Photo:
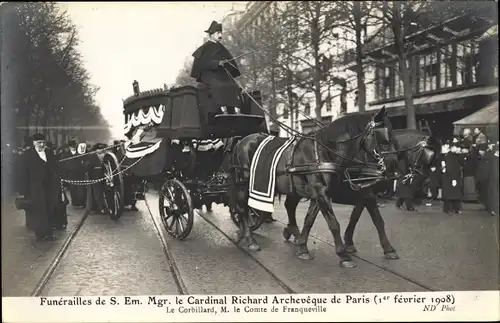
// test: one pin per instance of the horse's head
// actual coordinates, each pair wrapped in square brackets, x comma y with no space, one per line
[379,143]
[423,156]
[417,149]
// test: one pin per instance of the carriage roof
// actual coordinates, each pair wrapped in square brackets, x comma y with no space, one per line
[187,112]
[144,99]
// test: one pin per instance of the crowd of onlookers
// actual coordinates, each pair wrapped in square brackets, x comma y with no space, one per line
[466,170]
[34,175]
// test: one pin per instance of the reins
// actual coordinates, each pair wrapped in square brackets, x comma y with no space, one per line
[291,131]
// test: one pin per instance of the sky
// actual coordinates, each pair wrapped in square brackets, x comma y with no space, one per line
[147,41]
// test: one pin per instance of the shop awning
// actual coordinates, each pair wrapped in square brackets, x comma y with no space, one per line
[487,90]
[486,116]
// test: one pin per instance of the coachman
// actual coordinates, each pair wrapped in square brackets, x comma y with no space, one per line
[215,67]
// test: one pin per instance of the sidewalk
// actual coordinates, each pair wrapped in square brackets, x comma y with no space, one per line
[24,261]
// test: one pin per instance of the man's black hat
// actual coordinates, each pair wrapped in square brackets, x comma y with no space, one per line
[72,143]
[38,136]
[214,27]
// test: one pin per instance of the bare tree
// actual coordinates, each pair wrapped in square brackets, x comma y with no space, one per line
[56,87]
[315,22]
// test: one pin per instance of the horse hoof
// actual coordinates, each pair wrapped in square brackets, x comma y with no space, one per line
[351,249]
[391,255]
[305,256]
[286,234]
[254,247]
[348,264]
[238,237]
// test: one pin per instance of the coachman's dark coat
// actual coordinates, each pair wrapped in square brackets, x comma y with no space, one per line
[206,69]
[453,171]
[40,183]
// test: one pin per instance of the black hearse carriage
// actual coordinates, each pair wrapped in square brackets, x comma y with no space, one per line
[166,121]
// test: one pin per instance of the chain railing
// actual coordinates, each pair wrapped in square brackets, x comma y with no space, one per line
[107,177]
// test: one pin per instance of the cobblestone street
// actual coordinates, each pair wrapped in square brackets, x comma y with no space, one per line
[438,252]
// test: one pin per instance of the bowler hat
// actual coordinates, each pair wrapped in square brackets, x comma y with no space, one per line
[38,136]
[214,27]
[72,143]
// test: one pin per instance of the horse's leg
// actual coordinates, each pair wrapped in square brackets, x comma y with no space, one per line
[353,220]
[334,226]
[378,221]
[247,231]
[312,212]
[291,203]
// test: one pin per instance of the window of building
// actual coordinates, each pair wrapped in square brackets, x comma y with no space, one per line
[329,102]
[389,82]
[398,80]
[307,109]
[422,75]
[431,72]
[445,67]
[285,113]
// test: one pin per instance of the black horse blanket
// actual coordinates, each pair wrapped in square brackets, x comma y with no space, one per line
[263,172]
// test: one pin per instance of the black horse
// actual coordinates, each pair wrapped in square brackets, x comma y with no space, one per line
[322,161]
[416,149]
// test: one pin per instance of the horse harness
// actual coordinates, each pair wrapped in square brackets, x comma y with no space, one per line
[328,167]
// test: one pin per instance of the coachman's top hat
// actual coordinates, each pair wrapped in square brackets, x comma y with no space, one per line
[214,27]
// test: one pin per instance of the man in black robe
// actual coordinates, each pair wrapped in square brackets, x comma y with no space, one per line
[214,66]
[40,184]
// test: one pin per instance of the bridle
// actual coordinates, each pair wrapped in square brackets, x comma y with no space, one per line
[414,168]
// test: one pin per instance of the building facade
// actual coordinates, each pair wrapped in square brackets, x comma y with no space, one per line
[453,71]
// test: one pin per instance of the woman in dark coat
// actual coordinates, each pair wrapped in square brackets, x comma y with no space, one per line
[482,176]
[42,187]
[451,183]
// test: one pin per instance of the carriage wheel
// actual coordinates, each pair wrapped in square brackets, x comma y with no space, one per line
[113,186]
[256,219]
[176,209]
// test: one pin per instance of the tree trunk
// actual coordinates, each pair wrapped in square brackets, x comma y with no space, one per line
[318,73]
[272,104]
[289,93]
[397,24]
[360,71]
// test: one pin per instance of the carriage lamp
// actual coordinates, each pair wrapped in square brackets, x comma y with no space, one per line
[135,86]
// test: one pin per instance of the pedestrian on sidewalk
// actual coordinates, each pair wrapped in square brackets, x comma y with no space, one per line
[452,182]
[482,176]
[40,185]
